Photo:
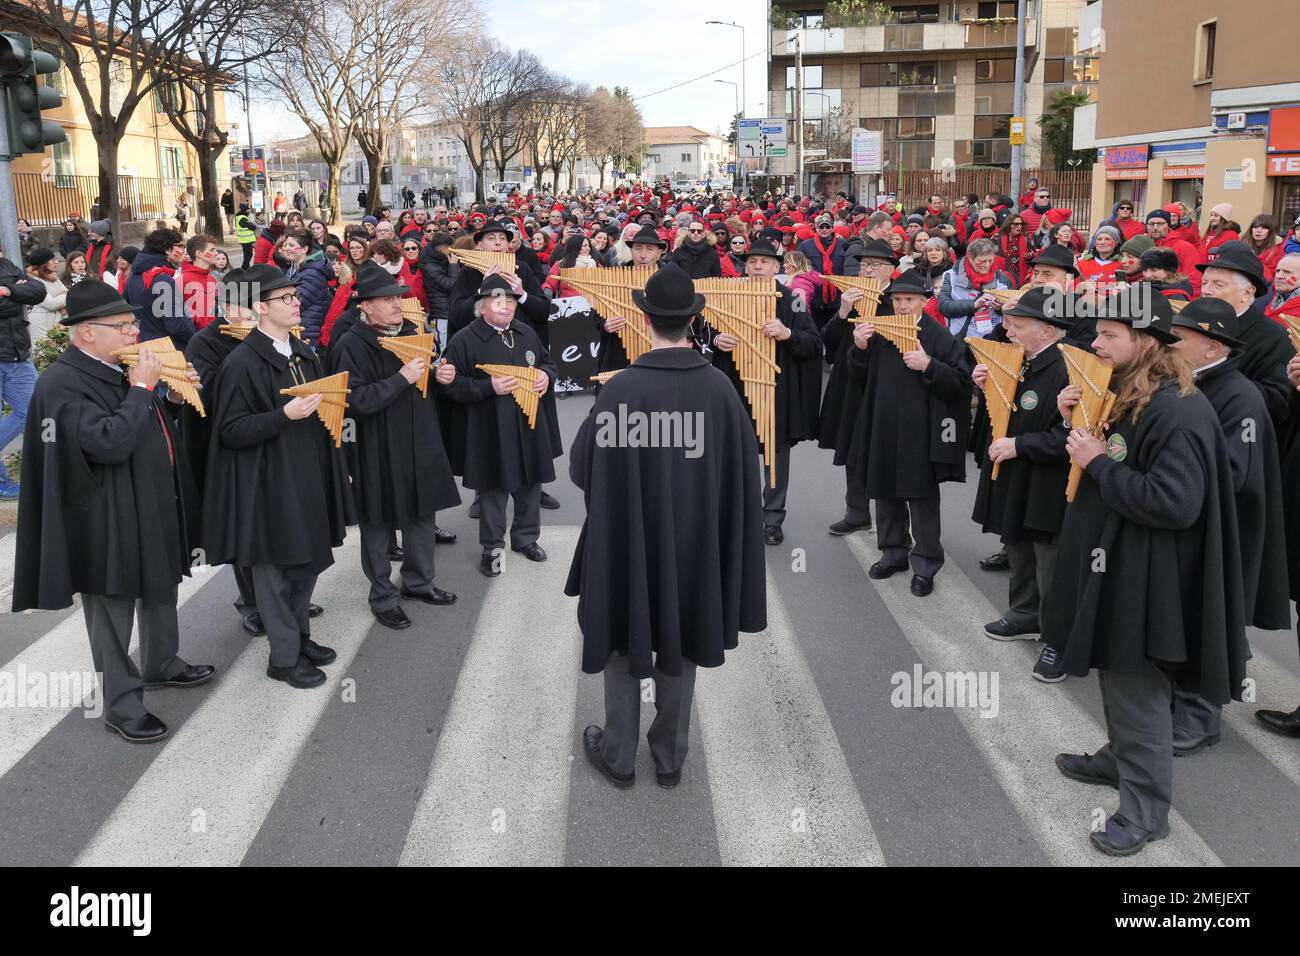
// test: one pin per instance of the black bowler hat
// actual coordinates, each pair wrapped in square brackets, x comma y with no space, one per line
[490,227]
[878,249]
[670,294]
[1237,257]
[92,299]
[762,247]
[647,236]
[374,282]
[1213,318]
[1044,304]
[910,282]
[1059,256]
[492,285]
[259,281]
[1141,308]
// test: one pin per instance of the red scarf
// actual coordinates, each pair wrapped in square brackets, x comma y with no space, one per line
[1289,307]
[980,279]
[1015,254]
[827,267]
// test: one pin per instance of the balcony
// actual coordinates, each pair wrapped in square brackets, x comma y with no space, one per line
[901,37]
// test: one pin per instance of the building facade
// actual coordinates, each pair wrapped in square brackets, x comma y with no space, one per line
[684,152]
[1209,114]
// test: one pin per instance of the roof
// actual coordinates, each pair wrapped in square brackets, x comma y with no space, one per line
[669,135]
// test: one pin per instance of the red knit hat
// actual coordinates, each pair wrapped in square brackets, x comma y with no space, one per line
[1057,216]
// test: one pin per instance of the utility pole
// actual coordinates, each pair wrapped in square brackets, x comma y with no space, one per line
[10,245]
[798,112]
[1017,152]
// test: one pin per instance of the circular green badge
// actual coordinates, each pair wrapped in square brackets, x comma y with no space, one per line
[530,358]
[1116,448]
[1029,400]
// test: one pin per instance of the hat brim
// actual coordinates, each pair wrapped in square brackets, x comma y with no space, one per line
[392,288]
[489,230]
[642,303]
[778,255]
[646,242]
[99,312]
[1258,281]
[280,282]
[1228,340]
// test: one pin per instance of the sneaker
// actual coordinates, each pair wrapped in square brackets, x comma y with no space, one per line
[1004,630]
[1048,669]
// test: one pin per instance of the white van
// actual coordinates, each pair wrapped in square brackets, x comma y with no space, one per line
[497,192]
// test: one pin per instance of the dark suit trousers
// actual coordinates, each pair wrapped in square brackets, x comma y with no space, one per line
[672,724]
[109,621]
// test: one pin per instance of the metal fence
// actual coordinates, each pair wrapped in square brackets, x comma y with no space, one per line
[1071,189]
[48,200]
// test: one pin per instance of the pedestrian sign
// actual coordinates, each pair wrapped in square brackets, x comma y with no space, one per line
[1017,131]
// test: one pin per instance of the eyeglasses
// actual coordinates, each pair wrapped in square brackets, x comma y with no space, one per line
[696,232]
[410,248]
[287,298]
[126,328]
[823,225]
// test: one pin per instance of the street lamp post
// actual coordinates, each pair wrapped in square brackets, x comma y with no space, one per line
[732,83]
[728,23]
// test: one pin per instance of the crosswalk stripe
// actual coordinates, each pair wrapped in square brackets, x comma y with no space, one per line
[1035,721]
[1279,751]
[782,789]
[203,799]
[64,649]
[8,546]
[498,787]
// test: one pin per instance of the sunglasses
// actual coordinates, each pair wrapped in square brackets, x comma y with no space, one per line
[823,225]
[696,232]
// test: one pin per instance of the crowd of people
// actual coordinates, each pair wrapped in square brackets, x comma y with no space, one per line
[1189,494]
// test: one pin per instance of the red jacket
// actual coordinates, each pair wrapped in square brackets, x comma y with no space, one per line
[1091,269]
[414,278]
[1209,245]
[1291,307]
[262,250]
[1130,228]
[339,303]
[1188,258]
[199,293]
[1271,258]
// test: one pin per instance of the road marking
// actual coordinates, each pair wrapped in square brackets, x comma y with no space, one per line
[498,787]
[1035,720]
[1278,750]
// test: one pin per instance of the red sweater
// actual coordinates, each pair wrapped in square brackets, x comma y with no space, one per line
[1209,246]
[1188,257]
[336,308]
[199,293]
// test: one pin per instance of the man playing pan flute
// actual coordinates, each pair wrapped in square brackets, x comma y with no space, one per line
[103,510]
[400,474]
[1148,584]
[277,499]
[798,385]
[910,432]
[1026,504]
[492,446]
[647,250]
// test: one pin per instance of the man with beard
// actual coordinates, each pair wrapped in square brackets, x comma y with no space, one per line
[843,395]
[399,469]
[910,433]
[1189,259]
[103,508]
[657,516]
[277,499]
[1148,583]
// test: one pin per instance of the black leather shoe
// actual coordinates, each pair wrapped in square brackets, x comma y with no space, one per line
[474,509]
[1280,722]
[302,674]
[396,554]
[1122,838]
[1184,747]
[668,780]
[533,552]
[432,596]
[192,676]
[443,537]
[1082,768]
[549,503]
[996,562]
[394,617]
[142,730]
[318,654]
[315,610]
[772,534]
[593,741]
[880,570]
[844,526]
[1004,630]
[489,565]
[921,585]
[253,624]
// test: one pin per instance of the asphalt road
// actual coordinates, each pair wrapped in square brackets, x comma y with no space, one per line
[458,740]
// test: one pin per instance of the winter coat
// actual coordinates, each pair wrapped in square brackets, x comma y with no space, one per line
[314,294]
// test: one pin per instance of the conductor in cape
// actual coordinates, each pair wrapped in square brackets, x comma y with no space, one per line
[102,511]
[400,473]
[669,566]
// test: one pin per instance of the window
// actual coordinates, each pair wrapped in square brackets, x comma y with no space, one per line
[173,164]
[1003,8]
[119,77]
[63,173]
[992,127]
[55,80]
[1205,51]
[995,71]
[916,127]
[917,13]
[812,78]
[686,157]
[1061,41]
[1054,71]
[909,36]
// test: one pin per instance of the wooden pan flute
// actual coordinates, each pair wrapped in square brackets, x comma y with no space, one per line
[523,393]
[1004,361]
[872,291]
[1092,375]
[899,330]
[334,391]
[238,330]
[610,293]
[483,261]
[1003,296]
[602,378]
[741,307]
[407,347]
[1293,329]
[412,311]
[175,370]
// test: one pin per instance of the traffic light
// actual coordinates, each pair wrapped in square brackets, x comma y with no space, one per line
[25,98]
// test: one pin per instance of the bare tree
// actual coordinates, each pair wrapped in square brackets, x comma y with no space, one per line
[513,82]
[462,95]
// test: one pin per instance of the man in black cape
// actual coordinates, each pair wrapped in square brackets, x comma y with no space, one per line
[104,508]
[400,474]
[843,395]
[1026,505]
[1148,583]
[798,385]
[910,433]
[492,447]
[277,499]
[1207,331]
[667,461]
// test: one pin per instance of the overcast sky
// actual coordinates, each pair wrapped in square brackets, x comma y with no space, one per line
[645,47]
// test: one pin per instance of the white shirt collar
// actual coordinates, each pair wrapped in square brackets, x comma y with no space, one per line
[284,348]
[1206,368]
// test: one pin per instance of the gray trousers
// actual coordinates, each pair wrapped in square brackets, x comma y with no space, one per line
[898,521]
[856,507]
[283,599]
[670,731]
[774,495]
[1195,718]
[1032,566]
[109,621]
[527,524]
[417,565]
[1140,751]
[246,603]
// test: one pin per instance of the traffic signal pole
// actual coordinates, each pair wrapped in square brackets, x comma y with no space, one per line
[9,242]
